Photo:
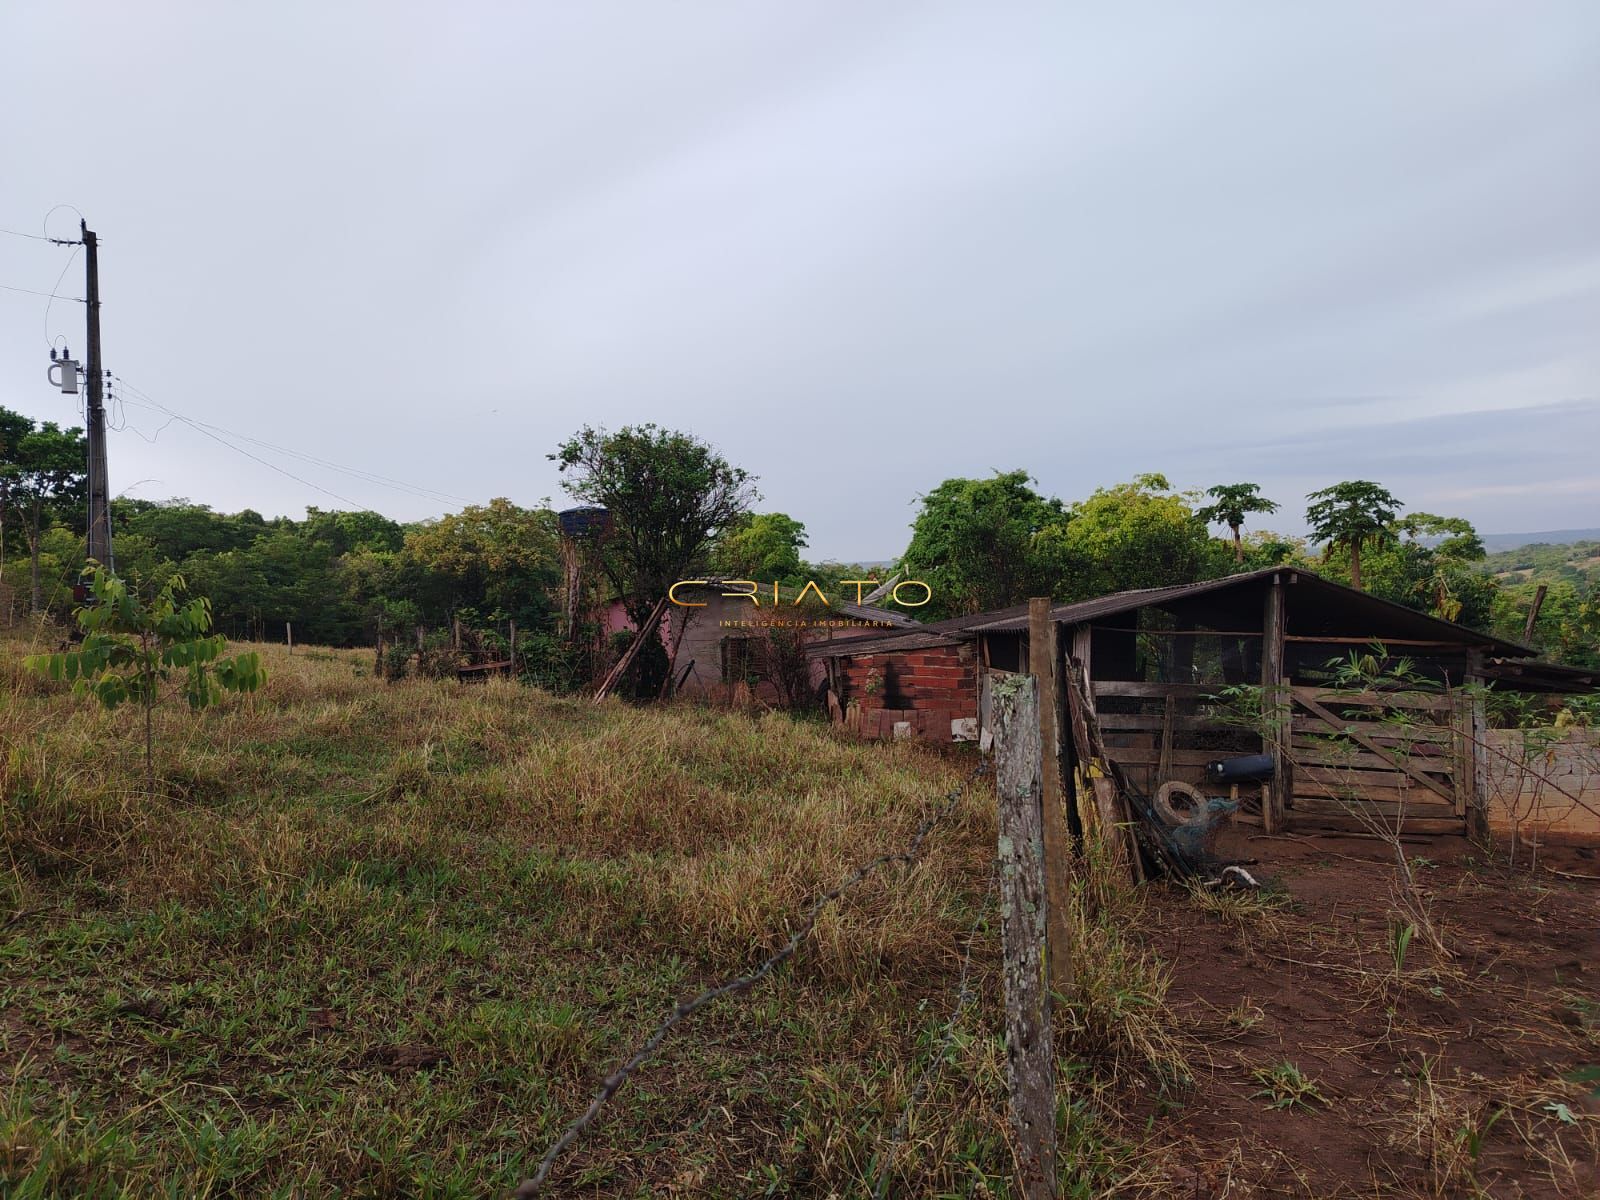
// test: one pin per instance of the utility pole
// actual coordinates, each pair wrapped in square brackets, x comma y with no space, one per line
[99,486]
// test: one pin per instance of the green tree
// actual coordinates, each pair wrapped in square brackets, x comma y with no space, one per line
[1231,504]
[1134,535]
[1450,551]
[1351,515]
[972,542]
[669,495]
[13,428]
[761,546]
[130,649]
[47,475]
[494,558]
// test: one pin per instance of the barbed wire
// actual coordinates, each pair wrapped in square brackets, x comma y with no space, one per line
[613,1083]
[930,1068]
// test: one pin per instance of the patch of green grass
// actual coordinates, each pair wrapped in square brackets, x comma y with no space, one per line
[1286,1086]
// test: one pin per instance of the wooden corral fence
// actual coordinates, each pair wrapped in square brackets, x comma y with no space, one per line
[1360,755]
[1344,758]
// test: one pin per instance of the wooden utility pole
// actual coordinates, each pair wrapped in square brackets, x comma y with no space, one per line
[99,487]
[1044,663]
[1030,1054]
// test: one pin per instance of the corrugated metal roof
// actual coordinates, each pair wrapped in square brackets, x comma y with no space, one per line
[1347,597]
[1522,676]
[910,639]
[868,612]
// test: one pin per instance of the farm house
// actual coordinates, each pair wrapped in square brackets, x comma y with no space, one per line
[715,640]
[1149,664]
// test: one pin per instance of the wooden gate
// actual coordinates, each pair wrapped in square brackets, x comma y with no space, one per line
[1369,760]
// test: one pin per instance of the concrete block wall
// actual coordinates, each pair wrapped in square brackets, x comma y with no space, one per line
[1570,762]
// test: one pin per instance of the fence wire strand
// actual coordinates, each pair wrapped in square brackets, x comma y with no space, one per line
[613,1083]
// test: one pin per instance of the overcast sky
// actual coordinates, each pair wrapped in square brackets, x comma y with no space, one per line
[859,247]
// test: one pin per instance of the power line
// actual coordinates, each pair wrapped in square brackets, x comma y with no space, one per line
[71,258]
[198,428]
[211,430]
[39,237]
[399,485]
[47,295]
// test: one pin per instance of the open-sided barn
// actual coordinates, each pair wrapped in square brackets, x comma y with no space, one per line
[1155,668]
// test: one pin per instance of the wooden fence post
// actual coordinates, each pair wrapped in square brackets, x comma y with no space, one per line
[1042,664]
[1030,1054]
[1279,711]
[1477,728]
[288,635]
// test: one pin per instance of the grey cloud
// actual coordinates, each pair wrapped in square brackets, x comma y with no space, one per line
[861,248]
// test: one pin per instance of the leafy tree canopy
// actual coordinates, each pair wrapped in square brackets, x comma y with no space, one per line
[761,546]
[669,495]
[1231,504]
[1350,515]
[973,543]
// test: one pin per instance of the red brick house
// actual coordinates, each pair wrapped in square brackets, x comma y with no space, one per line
[923,682]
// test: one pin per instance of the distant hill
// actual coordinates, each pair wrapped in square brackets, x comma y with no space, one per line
[1493,542]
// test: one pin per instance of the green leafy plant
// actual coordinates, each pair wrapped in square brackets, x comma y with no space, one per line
[1287,1086]
[130,648]
[1400,936]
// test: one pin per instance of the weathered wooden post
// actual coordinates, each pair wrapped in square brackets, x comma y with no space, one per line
[1476,727]
[1030,1056]
[1278,710]
[1043,661]
[288,635]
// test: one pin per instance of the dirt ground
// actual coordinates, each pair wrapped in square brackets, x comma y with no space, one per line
[1442,1076]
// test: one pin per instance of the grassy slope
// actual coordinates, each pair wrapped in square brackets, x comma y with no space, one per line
[383,939]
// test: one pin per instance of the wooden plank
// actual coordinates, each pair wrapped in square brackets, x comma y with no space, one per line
[1042,659]
[1353,777]
[1314,640]
[1100,803]
[1333,756]
[632,652]
[1421,701]
[1125,722]
[1149,756]
[1165,764]
[1030,1054]
[1125,687]
[1348,824]
[1436,735]
[1373,793]
[1383,808]
[1078,708]
[1317,709]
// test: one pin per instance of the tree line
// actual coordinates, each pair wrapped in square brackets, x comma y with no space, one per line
[678,508]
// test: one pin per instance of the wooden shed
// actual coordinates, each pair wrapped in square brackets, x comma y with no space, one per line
[1153,663]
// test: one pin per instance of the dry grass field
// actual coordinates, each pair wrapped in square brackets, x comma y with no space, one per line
[371,939]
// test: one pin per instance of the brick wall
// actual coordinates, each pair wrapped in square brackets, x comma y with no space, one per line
[925,690]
